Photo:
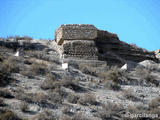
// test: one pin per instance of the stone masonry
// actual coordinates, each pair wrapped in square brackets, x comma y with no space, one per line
[77,40]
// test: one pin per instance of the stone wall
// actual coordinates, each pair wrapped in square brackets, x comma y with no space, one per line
[75,32]
[77,40]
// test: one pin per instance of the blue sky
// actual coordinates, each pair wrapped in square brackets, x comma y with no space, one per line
[135,21]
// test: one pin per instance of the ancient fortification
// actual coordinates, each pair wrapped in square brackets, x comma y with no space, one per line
[84,41]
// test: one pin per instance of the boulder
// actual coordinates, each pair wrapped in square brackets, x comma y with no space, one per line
[150,64]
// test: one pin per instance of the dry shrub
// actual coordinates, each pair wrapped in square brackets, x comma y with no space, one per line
[39,68]
[50,76]
[80,116]
[36,68]
[8,115]
[113,74]
[68,110]
[67,81]
[145,76]
[50,82]
[5,93]
[72,83]
[109,111]
[128,94]
[155,103]
[1,58]
[29,97]
[88,99]
[46,115]
[72,98]
[7,67]
[88,69]
[65,117]
[24,107]
[55,97]
[112,85]
[2,102]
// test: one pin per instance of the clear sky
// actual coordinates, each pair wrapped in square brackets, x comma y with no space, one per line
[135,21]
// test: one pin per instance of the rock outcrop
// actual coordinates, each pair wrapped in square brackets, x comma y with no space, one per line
[157,54]
[115,51]
[87,42]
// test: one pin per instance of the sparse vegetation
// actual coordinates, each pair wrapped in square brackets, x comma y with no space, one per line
[72,98]
[113,74]
[46,115]
[80,116]
[2,102]
[87,69]
[39,68]
[55,97]
[24,107]
[155,103]
[5,93]
[109,111]
[81,93]
[50,82]
[128,94]
[112,78]
[7,67]
[146,77]
[8,115]
[68,110]
[88,99]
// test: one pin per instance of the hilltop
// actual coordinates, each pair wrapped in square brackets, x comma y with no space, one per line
[106,78]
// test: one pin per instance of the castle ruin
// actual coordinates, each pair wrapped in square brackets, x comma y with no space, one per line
[85,41]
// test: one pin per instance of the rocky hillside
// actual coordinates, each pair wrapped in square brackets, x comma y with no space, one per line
[33,85]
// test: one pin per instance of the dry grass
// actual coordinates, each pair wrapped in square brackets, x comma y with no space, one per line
[87,69]
[24,107]
[155,103]
[55,97]
[50,82]
[146,77]
[88,99]
[109,111]
[80,116]
[72,98]
[46,115]
[128,94]
[68,82]
[29,97]
[39,68]
[8,115]
[2,102]
[67,110]
[113,74]
[5,93]
[7,67]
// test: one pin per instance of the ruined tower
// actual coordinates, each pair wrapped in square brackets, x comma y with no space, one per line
[77,40]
